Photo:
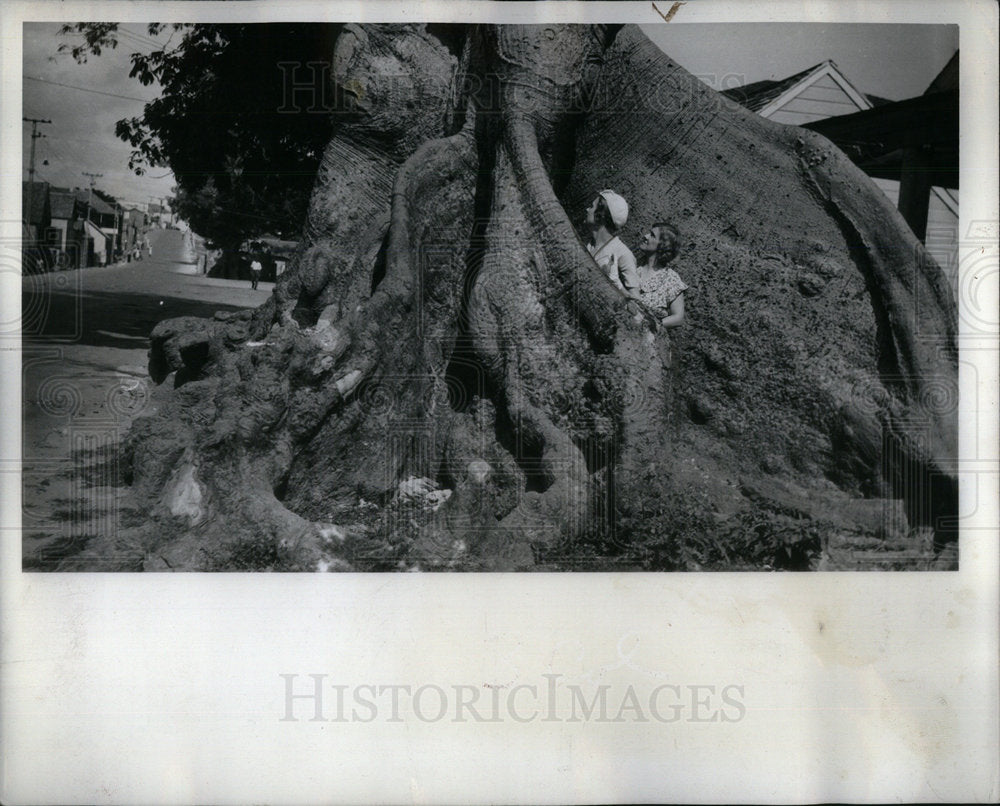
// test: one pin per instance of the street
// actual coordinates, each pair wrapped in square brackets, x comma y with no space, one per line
[85,336]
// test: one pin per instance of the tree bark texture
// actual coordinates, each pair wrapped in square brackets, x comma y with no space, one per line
[442,320]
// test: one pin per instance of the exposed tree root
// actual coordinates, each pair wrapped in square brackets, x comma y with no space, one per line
[443,321]
[820,338]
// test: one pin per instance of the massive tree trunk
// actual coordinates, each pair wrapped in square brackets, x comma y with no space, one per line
[442,321]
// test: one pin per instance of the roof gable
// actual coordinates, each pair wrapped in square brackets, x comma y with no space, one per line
[63,203]
[768,97]
[823,71]
[757,95]
[97,204]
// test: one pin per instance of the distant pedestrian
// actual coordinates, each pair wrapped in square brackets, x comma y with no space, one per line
[255,269]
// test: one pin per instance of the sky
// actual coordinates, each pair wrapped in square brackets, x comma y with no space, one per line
[892,61]
[888,60]
[81,136]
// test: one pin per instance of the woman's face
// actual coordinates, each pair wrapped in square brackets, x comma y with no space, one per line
[650,241]
[592,210]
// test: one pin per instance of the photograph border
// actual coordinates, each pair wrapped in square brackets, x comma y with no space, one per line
[852,686]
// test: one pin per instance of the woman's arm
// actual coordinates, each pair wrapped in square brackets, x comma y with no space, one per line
[675,313]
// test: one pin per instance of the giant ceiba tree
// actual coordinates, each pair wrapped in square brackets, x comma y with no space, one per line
[443,320]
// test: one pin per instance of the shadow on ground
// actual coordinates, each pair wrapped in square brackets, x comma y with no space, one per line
[104,319]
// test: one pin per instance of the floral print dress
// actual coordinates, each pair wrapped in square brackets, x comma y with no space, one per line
[660,287]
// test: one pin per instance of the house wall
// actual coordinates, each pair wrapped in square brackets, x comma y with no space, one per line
[111,234]
[75,246]
[60,224]
[942,225]
[942,232]
[890,187]
[99,243]
[824,98]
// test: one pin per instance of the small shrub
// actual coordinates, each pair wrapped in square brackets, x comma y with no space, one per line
[761,540]
[679,535]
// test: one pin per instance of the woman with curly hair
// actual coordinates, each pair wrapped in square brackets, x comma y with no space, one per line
[662,288]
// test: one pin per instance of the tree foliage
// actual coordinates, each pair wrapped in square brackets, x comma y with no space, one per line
[245,159]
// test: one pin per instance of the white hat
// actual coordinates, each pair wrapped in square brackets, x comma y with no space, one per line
[617,207]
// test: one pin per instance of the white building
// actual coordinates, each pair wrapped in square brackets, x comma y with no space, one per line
[909,148]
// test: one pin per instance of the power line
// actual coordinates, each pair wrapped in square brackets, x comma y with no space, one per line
[138,46]
[80,153]
[115,145]
[141,37]
[69,150]
[123,33]
[86,89]
[135,43]
[133,35]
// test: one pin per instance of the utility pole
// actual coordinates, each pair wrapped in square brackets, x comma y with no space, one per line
[90,193]
[119,226]
[90,199]
[35,134]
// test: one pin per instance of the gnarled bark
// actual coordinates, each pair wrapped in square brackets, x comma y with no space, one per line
[443,320]
[853,379]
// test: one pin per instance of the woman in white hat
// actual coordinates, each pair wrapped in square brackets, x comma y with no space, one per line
[662,288]
[606,215]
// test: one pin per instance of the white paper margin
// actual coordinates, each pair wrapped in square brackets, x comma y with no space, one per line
[856,686]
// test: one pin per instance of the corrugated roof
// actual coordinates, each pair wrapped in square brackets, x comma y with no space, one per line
[97,204]
[759,94]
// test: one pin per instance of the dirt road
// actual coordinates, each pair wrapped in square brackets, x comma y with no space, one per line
[85,337]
